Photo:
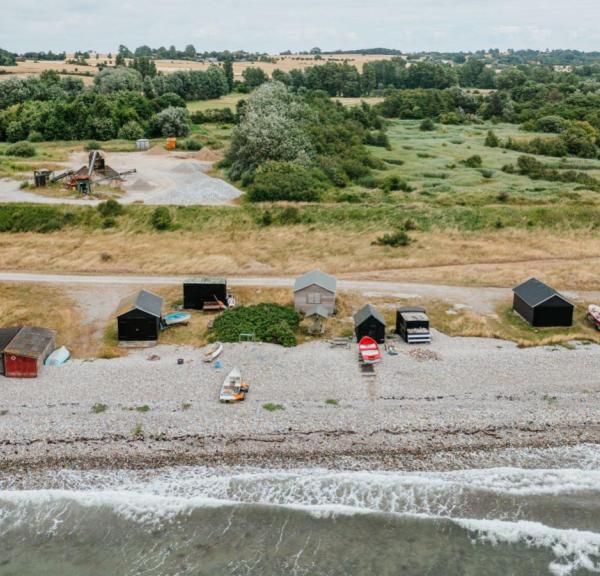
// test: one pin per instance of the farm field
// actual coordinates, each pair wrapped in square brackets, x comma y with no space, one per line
[285,63]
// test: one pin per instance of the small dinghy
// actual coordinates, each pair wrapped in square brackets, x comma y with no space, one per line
[213,352]
[177,318]
[391,349]
[233,389]
[594,315]
[368,351]
[58,357]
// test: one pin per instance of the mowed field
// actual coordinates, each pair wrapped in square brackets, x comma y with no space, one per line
[285,63]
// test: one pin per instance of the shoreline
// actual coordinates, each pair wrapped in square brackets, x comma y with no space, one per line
[431,451]
[468,402]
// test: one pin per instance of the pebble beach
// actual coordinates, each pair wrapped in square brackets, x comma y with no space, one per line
[438,406]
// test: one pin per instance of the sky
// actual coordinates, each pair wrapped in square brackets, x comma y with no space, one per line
[277,25]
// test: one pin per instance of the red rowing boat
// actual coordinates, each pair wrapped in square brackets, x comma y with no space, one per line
[594,315]
[369,351]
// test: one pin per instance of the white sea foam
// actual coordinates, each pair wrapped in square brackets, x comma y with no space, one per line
[489,503]
[573,549]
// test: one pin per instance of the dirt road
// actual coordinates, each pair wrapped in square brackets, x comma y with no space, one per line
[480,299]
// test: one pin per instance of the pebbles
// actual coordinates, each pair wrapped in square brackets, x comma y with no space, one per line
[475,395]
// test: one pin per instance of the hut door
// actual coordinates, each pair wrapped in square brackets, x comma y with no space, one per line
[314,298]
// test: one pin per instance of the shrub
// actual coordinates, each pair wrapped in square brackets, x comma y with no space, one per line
[35,136]
[268,322]
[427,125]
[266,218]
[171,122]
[473,162]
[131,131]
[398,238]
[190,144]
[289,215]
[270,407]
[286,181]
[99,408]
[93,145]
[487,173]
[110,208]
[491,140]
[21,149]
[503,196]
[161,218]
[395,183]
[109,223]
[554,124]
[31,218]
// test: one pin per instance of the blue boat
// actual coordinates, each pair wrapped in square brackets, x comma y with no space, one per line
[58,357]
[177,318]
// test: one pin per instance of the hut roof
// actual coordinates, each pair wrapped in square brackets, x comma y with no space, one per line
[409,309]
[142,300]
[534,292]
[366,312]
[206,280]
[316,277]
[30,342]
[6,336]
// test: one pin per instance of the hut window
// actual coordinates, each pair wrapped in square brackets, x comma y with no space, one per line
[314,298]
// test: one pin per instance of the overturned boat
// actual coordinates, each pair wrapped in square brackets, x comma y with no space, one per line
[213,352]
[177,319]
[593,315]
[233,389]
[368,351]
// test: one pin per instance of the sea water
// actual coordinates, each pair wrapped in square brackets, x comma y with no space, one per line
[254,521]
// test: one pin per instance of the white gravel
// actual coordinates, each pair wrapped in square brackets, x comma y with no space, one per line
[476,384]
[173,179]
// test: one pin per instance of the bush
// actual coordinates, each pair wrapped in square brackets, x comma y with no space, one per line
[171,122]
[190,144]
[109,222]
[286,181]
[473,162]
[427,125]
[553,124]
[486,173]
[399,238]
[93,145]
[110,208]
[161,218]
[268,322]
[21,149]
[395,183]
[131,131]
[31,218]
[35,136]
[491,140]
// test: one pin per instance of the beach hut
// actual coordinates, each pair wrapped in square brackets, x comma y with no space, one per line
[24,355]
[139,317]
[368,321]
[315,289]
[412,324]
[208,290]
[6,337]
[542,306]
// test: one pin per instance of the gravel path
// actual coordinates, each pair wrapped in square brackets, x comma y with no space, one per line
[480,299]
[476,393]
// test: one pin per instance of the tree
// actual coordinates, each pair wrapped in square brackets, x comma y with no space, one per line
[112,80]
[270,129]
[254,77]
[190,52]
[171,122]
[228,70]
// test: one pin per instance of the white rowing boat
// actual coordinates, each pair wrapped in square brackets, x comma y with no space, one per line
[233,388]
[213,352]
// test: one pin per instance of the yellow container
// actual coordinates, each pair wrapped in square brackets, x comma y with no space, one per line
[171,143]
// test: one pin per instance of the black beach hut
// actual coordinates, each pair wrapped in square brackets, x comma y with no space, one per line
[369,322]
[197,291]
[412,324]
[542,306]
[139,317]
